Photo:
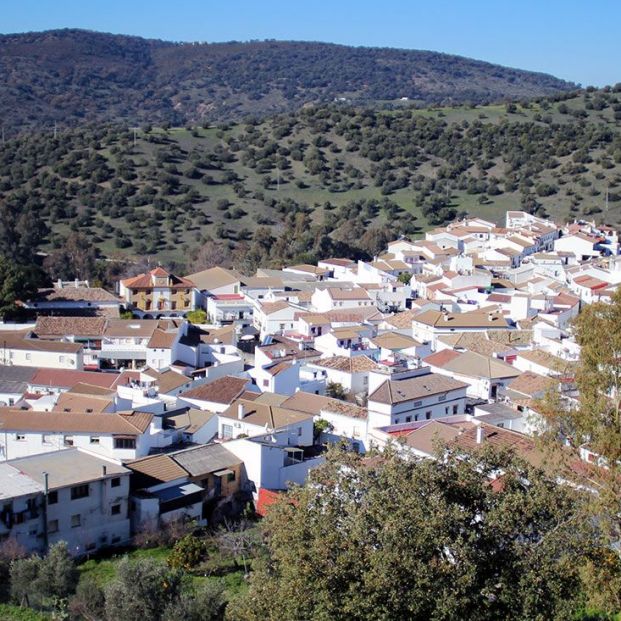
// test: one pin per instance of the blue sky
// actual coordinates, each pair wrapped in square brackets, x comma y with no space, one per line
[573,39]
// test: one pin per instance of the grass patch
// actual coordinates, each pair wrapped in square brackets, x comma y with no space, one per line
[8,612]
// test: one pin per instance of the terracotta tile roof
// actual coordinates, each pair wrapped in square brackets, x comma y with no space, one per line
[478,342]
[358,293]
[76,294]
[81,403]
[16,340]
[428,436]
[222,390]
[316,404]
[261,414]
[130,423]
[545,359]
[162,340]
[412,389]
[471,364]
[190,420]
[145,281]
[269,308]
[213,278]
[403,319]
[474,319]
[531,384]
[338,262]
[440,358]
[168,380]
[278,367]
[61,378]
[353,364]
[74,326]
[394,341]
[492,435]
[158,467]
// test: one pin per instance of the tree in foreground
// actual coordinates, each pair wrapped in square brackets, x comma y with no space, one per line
[595,421]
[17,283]
[43,582]
[390,538]
[149,590]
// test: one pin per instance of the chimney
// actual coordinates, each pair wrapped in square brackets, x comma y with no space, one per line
[240,411]
[480,434]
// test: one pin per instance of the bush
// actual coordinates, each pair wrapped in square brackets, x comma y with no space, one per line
[187,553]
[197,316]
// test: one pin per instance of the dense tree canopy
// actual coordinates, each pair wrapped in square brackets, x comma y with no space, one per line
[391,538]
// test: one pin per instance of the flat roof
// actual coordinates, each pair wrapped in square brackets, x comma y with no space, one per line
[66,467]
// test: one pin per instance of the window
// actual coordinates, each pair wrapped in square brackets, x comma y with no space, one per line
[397,421]
[46,438]
[446,409]
[408,419]
[52,498]
[417,404]
[230,477]
[266,382]
[299,431]
[116,482]
[427,415]
[79,491]
[28,356]
[68,440]
[124,443]
[442,398]
[52,526]
[20,437]
[227,431]
[76,520]
[94,439]
[115,509]
[454,409]
[61,359]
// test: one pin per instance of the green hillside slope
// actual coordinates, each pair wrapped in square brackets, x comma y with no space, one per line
[320,180]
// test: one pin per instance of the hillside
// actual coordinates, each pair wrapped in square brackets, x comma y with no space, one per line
[73,76]
[328,179]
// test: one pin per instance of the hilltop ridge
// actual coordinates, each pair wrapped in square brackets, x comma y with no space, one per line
[72,76]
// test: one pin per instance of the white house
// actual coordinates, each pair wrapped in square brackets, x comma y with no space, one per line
[347,422]
[422,397]
[66,495]
[216,396]
[265,414]
[17,349]
[332,298]
[484,375]
[120,435]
